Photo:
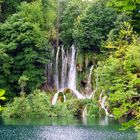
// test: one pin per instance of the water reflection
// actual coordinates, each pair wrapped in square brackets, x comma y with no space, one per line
[63,129]
[104,121]
[49,121]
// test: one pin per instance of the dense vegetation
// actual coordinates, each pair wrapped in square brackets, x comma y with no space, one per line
[108,29]
[38,105]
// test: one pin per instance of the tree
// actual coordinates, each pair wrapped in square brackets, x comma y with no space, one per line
[130,7]
[94,26]
[119,76]
[8,7]
[24,48]
[70,15]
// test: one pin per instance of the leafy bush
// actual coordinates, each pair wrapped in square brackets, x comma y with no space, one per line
[38,104]
[119,76]
[92,108]
[35,104]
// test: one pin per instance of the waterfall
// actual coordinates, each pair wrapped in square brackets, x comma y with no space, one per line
[102,100]
[72,71]
[88,89]
[65,73]
[64,69]
[55,97]
[75,92]
[49,72]
[56,77]
[90,76]
[68,77]
[84,115]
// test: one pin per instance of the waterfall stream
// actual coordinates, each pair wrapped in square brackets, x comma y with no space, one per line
[56,77]
[67,76]
[65,73]
[72,71]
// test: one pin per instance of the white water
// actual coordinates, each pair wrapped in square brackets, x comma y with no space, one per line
[74,91]
[66,67]
[77,94]
[102,101]
[63,68]
[56,77]
[72,71]
[84,115]
[67,63]
[55,97]
[88,88]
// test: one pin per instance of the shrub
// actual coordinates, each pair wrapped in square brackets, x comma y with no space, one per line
[38,104]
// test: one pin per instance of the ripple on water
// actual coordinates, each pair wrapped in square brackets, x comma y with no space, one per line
[61,133]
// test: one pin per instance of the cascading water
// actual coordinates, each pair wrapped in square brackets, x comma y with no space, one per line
[64,69]
[65,72]
[55,97]
[56,77]
[88,89]
[72,71]
[68,68]
[65,78]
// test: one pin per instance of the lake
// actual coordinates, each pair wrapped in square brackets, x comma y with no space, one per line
[64,129]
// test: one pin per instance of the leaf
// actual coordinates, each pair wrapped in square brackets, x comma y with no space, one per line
[2,92]
[137,81]
[2,98]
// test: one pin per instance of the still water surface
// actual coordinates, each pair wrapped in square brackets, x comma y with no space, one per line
[64,129]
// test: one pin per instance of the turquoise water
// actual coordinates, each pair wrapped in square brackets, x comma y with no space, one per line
[63,129]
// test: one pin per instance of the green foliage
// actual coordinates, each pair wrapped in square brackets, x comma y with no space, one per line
[119,23]
[23,83]
[49,13]
[94,26]
[76,106]
[36,104]
[123,5]
[9,7]
[70,15]
[2,92]
[119,76]
[130,7]
[92,108]
[24,49]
